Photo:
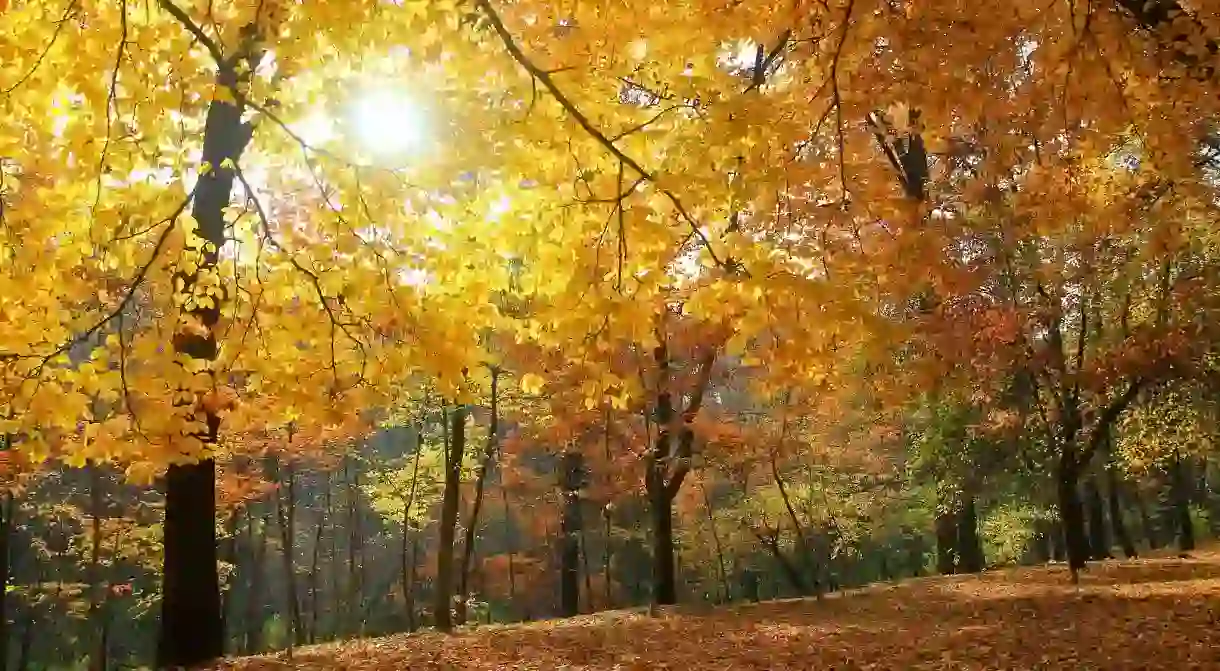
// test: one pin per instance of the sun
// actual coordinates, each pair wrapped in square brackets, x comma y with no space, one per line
[387,122]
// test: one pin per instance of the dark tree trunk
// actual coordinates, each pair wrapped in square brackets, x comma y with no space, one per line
[489,453]
[1071,514]
[1120,526]
[1147,525]
[285,512]
[192,631]
[228,596]
[1099,540]
[969,547]
[570,525]
[314,573]
[355,554]
[667,467]
[1121,534]
[26,643]
[946,536]
[455,451]
[512,553]
[97,583]
[1180,503]
[254,597]
[725,590]
[664,575]
[1041,545]
[6,535]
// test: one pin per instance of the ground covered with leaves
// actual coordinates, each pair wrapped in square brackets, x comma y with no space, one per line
[1145,614]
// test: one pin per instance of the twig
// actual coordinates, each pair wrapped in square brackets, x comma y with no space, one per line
[543,77]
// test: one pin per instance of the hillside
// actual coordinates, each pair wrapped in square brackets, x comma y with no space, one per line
[1145,614]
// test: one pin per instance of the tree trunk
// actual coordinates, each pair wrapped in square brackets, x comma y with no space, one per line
[512,568]
[355,556]
[26,643]
[314,564]
[285,511]
[412,625]
[664,575]
[660,484]
[1146,523]
[571,466]
[6,542]
[257,590]
[969,547]
[1099,540]
[790,571]
[1071,514]
[191,628]
[1121,534]
[725,593]
[946,536]
[192,632]
[1180,502]
[408,535]
[228,554]
[455,452]
[1041,545]
[489,453]
[332,542]
[97,587]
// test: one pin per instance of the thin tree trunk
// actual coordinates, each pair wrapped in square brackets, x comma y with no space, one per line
[1146,523]
[228,554]
[314,565]
[98,656]
[1122,535]
[358,567]
[1114,500]
[455,452]
[285,510]
[946,535]
[1099,539]
[1180,503]
[351,609]
[7,510]
[512,552]
[192,632]
[412,623]
[489,453]
[254,602]
[802,550]
[711,520]
[1040,546]
[336,590]
[408,536]
[571,467]
[791,573]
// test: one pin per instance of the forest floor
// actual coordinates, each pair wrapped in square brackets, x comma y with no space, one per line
[1159,613]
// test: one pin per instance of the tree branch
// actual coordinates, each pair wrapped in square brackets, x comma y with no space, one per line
[194,29]
[543,77]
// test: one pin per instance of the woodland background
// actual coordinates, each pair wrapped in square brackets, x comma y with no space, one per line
[692,301]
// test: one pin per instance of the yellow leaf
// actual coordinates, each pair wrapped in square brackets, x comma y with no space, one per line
[531,383]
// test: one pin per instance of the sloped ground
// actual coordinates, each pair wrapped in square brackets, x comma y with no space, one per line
[1145,614]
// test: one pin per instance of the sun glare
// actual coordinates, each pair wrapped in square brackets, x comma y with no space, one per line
[388,122]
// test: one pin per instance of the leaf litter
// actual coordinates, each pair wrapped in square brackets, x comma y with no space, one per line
[1140,614]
